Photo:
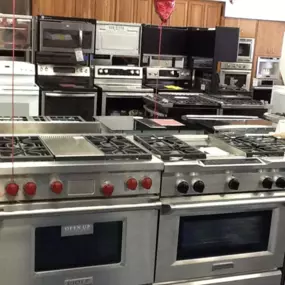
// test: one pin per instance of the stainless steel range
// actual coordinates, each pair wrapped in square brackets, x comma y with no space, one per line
[222,208]
[122,90]
[79,209]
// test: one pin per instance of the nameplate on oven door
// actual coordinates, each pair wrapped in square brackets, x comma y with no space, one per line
[80,281]
[222,266]
[77,230]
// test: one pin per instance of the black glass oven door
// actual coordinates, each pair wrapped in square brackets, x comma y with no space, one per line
[223,234]
[69,104]
[58,247]
[236,80]
[244,49]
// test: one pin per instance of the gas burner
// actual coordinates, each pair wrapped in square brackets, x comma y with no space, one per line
[66,118]
[16,119]
[23,149]
[118,147]
[255,146]
[170,148]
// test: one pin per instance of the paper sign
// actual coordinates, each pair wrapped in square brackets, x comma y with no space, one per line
[168,122]
[280,127]
[79,55]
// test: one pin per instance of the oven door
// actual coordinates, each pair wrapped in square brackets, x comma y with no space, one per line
[210,236]
[123,104]
[238,79]
[79,243]
[69,104]
[66,36]
[245,50]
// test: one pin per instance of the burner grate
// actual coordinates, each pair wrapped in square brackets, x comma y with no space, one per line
[25,149]
[170,147]
[254,146]
[118,147]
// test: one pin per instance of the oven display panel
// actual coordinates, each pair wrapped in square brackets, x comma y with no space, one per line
[58,247]
[223,234]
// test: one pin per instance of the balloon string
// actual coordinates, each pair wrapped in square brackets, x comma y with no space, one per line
[13,69]
[156,88]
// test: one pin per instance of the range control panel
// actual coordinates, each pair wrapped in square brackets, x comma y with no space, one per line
[167,73]
[118,72]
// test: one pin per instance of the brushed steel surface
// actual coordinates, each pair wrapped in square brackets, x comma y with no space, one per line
[72,147]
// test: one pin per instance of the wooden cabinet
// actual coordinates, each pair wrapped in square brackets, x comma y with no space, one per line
[247,27]
[196,12]
[54,7]
[124,10]
[86,9]
[104,9]
[269,38]
[179,15]
[143,10]
[212,14]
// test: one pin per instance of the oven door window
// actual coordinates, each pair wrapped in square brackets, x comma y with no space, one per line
[56,250]
[244,49]
[124,106]
[223,234]
[71,105]
[236,80]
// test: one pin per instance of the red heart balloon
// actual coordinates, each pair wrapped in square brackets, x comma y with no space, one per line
[164,8]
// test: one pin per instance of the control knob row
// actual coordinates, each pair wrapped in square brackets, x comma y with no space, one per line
[197,185]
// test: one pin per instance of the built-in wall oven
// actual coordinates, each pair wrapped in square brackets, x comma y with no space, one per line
[213,235]
[246,49]
[58,34]
[87,242]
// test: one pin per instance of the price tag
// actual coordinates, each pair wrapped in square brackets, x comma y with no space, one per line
[79,55]
[280,127]
[203,87]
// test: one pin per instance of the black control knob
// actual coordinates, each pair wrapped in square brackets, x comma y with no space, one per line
[267,183]
[280,182]
[182,186]
[233,184]
[198,186]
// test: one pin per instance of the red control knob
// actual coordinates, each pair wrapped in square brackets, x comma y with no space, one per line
[12,189]
[146,183]
[132,184]
[56,187]
[30,188]
[107,189]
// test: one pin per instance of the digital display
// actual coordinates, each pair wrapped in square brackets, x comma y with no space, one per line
[64,69]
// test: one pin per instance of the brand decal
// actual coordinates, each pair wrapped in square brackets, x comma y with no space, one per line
[77,230]
[79,281]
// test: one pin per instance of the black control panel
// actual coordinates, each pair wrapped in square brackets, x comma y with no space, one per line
[119,72]
[168,73]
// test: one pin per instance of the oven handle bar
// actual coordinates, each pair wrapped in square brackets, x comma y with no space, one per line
[69,95]
[80,210]
[221,204]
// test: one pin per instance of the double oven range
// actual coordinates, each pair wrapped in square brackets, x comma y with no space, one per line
[63,72]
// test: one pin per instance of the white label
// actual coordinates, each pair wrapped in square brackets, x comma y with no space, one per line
[280,127]
[77,230]
[254,82]
[80,281]
[203,87]
[79,55]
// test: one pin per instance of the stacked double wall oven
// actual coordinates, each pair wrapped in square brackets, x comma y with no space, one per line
[63,72]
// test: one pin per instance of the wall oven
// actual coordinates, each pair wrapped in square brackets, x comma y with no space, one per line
[246,49]
[207,236]
[83,242]
[65,35]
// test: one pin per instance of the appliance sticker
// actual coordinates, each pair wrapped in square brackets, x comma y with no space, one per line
[79,281]
[77,230]
[79,55]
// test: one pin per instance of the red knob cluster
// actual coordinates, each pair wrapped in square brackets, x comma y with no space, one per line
[56,187]
[12,189]
[132,184]
[107,189]
[30,188]
[146,183]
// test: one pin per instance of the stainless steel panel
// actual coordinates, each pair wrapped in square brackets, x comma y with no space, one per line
[168,268]
[48,128]
[264,278]
[138,248]
[68,147]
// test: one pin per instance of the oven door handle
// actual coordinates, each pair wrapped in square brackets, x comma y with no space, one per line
[69,95]
[79,210]
[220,204]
